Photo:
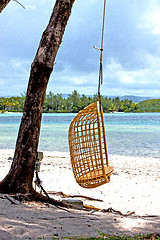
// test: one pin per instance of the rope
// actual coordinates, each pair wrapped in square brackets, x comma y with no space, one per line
[6,2]
[19,3]
[100,79]
[38,182]
[101,54]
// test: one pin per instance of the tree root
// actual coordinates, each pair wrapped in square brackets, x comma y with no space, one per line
[61,194]
[37,197]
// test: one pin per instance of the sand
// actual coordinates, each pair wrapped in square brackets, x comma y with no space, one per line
[135,186]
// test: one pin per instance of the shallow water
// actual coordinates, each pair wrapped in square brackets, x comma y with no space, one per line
[131,134]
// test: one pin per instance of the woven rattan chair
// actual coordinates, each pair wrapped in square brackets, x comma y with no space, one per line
[88,149]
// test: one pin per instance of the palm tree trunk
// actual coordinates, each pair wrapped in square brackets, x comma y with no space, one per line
[20,177]
[3,4]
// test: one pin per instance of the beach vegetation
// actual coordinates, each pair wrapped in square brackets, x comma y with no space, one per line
[12,104]
[56,103]
[152,105]
[102,236]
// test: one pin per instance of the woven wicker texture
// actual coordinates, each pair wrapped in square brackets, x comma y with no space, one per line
[88,150]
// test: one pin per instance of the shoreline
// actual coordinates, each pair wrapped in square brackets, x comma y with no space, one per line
[1,112]
[134,187]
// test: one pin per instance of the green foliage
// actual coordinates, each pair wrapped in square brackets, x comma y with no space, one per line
[76,102]
[150,105]
[12,104]
[103,236]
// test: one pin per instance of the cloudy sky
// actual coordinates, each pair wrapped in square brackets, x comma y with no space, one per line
[131,56]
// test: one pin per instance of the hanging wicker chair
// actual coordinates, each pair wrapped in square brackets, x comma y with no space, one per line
[88,150]
[87,140]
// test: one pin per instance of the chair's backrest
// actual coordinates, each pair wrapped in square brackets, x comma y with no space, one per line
[88,150]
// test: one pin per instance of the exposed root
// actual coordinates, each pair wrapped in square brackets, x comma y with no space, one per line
[61,194]
[37,197]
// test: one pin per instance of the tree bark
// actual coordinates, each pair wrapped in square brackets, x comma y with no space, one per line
[3,4]
[20,177]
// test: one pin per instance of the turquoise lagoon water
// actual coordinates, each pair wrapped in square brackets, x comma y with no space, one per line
[131,134]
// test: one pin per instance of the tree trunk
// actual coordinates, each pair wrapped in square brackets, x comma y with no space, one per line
[20,177]
[3,4]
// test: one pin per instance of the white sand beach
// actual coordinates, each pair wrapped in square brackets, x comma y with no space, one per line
[135,186]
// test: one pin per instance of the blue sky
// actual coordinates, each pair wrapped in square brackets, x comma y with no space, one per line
[131,56]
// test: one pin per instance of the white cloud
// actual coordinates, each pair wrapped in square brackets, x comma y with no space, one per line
[150,19]
[144,81]
[14,77]
[68,77]
[20,66]
[152,61]
[31,7]
[134,66]
[117,80]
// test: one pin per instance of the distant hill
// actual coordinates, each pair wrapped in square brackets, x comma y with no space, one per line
[135,99]
[150,105]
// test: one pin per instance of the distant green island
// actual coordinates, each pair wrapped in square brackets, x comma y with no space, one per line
[73,103]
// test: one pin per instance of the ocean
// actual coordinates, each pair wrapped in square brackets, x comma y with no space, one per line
[130,134]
